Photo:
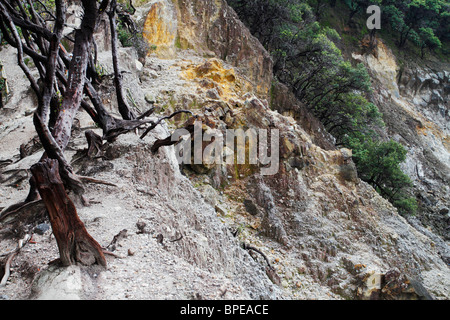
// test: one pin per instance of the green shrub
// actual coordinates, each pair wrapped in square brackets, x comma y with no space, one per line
[378,163]
[133,39]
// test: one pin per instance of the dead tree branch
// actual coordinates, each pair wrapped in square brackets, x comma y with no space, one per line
[154,124]
[249,247]
[11,257]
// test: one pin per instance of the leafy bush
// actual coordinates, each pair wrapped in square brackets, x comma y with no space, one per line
[425,38]
[424,23]
[132,39]
[378,163]
[124,36]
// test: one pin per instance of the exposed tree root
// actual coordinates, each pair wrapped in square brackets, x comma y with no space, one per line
[64,79]
[11,256]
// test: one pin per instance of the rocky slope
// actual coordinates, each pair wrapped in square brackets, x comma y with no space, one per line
[326,234]
[415,103]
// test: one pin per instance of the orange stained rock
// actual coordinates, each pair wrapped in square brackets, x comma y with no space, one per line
[159,29]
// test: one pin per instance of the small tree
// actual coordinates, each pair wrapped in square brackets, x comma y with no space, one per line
[378,163]
[356,6]
[426,39]
[407,18]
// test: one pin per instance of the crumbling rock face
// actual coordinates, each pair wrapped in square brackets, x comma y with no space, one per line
[285,102]
[415,106]
[376,285]
[323,214]
[160,26]
[326,234]
[188,226]
[271,225]
[210,28]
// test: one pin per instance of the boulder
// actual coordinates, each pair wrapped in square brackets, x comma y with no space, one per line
[58,284]
[392,285]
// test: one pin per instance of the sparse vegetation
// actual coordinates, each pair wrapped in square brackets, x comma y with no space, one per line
[307,59]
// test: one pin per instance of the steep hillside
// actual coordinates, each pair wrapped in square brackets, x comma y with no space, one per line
[414,101]
[325,233]
[412,93]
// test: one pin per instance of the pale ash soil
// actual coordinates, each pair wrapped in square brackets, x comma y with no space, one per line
[207,263]
[199,257]
[147,269]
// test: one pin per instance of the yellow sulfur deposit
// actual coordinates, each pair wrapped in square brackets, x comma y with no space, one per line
[217,76]
[160,28]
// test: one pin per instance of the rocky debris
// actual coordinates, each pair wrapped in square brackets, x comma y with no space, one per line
[391,285]
[58,284]
[326,234]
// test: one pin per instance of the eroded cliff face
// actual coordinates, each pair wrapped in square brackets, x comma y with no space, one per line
[326,233]
[316,219]
[211,28]
[415,104]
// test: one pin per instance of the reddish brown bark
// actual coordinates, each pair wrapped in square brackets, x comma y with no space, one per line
[74,242]
[62,75]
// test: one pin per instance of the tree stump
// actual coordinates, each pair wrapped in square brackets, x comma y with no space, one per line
[95,143]
[74,242]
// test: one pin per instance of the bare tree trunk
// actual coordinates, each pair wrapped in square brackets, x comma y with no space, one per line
[77,75]
[74,242]
[124,109]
